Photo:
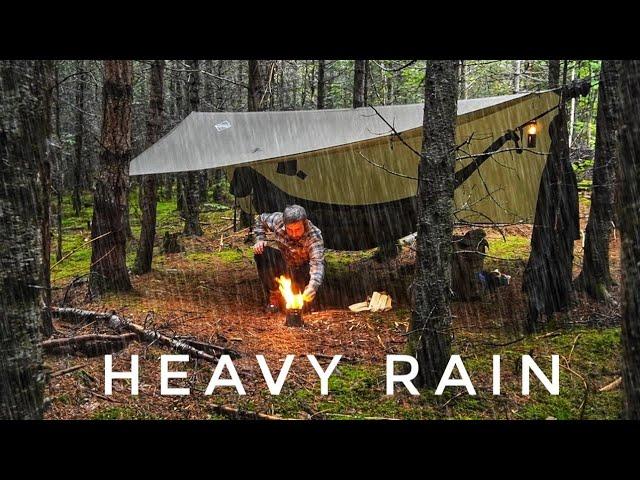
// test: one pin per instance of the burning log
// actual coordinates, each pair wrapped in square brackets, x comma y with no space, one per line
[119,323]
[294,302]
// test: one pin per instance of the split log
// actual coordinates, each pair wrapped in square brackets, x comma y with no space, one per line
[120,323]
[89,345]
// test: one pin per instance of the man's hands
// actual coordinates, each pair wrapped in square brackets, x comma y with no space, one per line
[309,293]
[258,248]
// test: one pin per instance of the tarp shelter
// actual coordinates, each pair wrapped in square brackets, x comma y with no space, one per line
[355,170]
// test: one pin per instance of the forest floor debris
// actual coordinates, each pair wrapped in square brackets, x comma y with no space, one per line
[211,295]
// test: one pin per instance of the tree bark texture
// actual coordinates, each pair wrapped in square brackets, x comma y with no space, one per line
[629,219]
[148,197]
[108,256]
[548,279]
[595,277]
[431,318]
[22,150]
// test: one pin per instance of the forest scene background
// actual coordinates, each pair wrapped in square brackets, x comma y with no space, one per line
[207,291]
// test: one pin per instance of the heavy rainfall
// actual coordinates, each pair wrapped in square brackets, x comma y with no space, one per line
[261,210]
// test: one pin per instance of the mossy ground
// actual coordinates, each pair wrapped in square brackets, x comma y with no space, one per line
[589,357]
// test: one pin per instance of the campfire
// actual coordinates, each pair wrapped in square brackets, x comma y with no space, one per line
[293,302]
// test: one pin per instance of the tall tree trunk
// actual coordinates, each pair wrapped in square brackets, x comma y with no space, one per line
[256,102]
[209,100]
[628,207]
[595,277]
[59,169]
[590,108]
[431,316]
[195,102]
[398,81]
[127,214]
[367,75]
[180,194]
[386,249]
[136,180]
[572,114]
[554,73]
[220,90]
[59,187]
[180,113]
[548,274]
[22,150]
[192,180]
[517,67]
[78,138]
[303,94]
[45,74]
[257,86]
[463,80]
[218,179]
[191,199]
[182,109]
[217,105]
[203,186]
[359,81]
[178,85]
[166,180]
[148,197]
[109,253]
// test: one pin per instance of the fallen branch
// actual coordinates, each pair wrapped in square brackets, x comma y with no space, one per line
[584,382]
[238,233]
[75,250]
[342,359]
[67,370]
[120,323]
[611,386]
[503,344]
[555,333]
[244,414]
[208,347]
[90,345]
[359,418]
[103,397]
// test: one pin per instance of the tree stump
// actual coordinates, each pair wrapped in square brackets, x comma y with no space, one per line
[467,261]
[171,243]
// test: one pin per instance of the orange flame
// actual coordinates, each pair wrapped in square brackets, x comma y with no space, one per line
[293,300]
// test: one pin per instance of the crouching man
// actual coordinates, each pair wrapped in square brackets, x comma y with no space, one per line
[299,254]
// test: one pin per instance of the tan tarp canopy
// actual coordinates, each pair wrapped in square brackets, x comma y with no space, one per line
[351,158]
[206,140]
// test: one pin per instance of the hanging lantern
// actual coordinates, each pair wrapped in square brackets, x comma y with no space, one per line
[532,131]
